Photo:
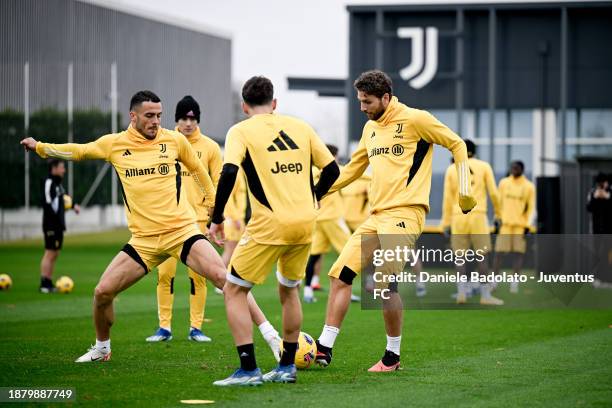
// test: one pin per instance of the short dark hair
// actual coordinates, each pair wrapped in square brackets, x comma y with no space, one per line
[471,147]
[332,149]
[519,163]
[601,178]
[375,83]
[143,96]
[53,163]
[257,91]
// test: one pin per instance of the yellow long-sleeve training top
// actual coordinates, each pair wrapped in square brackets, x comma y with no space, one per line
[236,205]
[482,181]
[399,147]
[209,153]
[150,175]
[356,201]
[517,200]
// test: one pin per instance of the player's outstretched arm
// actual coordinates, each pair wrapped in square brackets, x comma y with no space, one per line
[353,169]
[434,131]
[99,149]
[190,159]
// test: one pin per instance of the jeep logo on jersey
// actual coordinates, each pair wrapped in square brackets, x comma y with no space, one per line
[397,149]
[163,169]
[287,168]
[424,55]
[139,172]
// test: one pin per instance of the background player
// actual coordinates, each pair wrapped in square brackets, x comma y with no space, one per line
[397,142]
[517,202]
[187,118]
[471,230]
[55,202]
[146,158]
[330,229]
[275,152]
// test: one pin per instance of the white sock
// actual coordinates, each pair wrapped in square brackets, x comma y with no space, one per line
[103,346]
[308,292]
[315,280]
[485,291]
[394,343]
[268,331]
[328,336]
[461,288]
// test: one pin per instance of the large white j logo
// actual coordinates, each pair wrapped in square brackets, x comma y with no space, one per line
[414,73]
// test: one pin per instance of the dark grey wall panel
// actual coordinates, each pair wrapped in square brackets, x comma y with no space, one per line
[167,59]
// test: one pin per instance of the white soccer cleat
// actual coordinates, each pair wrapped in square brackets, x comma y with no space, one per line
[274,344]
[94,354]
[491,301]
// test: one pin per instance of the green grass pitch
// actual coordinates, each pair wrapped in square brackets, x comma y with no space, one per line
[450,358]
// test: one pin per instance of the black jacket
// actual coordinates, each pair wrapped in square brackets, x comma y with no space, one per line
[53,204]
[601,210]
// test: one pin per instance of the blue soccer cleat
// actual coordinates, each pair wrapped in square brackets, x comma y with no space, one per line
[197,335]
[160,335]
[241,377]
[282,374]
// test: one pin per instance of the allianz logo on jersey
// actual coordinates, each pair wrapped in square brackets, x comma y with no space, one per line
[424,55]
[396,149]
[163,169]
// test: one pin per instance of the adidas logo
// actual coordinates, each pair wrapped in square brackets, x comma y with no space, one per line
[401,224]
[283,142]
[373,135]
[127,153]
[244,354]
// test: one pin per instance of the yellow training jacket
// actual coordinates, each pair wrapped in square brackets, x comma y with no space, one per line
[237,203]
[483,181]
[399,147]
[517,200]
[276,153]
[209,153]
[150,175]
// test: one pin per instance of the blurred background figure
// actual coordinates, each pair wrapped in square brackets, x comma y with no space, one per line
[599,204]
[55,202]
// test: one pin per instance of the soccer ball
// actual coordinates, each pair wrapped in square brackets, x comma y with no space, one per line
[5,282]
[64,284]
[306,352]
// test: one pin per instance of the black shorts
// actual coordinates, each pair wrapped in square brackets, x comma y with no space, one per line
[54,239]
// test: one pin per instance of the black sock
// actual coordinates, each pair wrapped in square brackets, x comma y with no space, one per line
[288,355]
[246,352]
[390,358]
[322,348]
[46,282]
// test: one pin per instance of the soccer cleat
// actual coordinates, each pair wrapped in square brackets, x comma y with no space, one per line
[355,298]
[241,377]
[461,298]
[310,299]
[381,367]
[491,301]
[160,335]
[324,355]
[274,344]
[282,374]
[197,335]
[316,286]
[93,354]
[46,290]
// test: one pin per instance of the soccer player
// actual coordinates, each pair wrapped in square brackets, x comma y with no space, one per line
[397,141]
[356,202]
[330,229]
[471,230]
[276,152]
[235,211]
[517,202]
[187,118]
[55,202]
[148,160]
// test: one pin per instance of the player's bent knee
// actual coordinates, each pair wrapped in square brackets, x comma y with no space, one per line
[286,282]
[103,294]
[234,278]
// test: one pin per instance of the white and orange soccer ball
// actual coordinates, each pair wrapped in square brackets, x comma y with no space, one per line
[64,284]
[5,282]
[306,352]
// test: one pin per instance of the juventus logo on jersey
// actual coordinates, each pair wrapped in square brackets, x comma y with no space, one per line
[127,153]
[199,155]
[400,127]
[278,144]
[162,147]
